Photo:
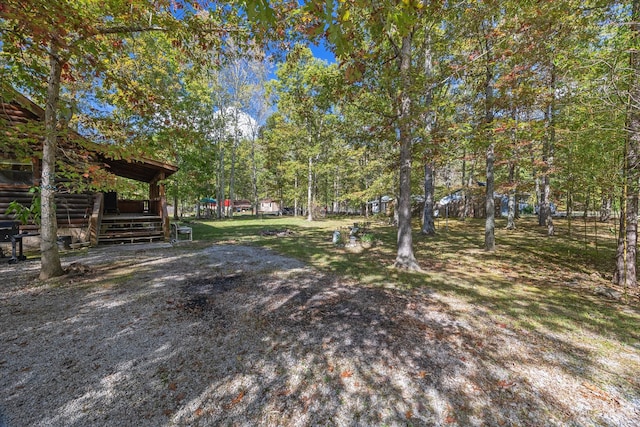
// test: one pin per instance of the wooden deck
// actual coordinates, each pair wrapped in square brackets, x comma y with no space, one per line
[130,228]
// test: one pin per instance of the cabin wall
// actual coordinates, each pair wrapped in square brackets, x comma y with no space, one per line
[71,209]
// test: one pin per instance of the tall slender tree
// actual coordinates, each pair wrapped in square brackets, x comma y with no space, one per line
[304,94]
[625,272]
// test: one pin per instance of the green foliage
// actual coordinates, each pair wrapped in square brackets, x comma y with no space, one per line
[368,238]
[527,210]
[25,214]
[303,138]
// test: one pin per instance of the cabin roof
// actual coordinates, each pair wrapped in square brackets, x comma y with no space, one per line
[143,170]
[17,108]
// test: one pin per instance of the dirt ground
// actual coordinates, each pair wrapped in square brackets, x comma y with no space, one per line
[235,335]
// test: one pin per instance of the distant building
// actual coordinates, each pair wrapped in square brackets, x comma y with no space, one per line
[269,206]
[242,205]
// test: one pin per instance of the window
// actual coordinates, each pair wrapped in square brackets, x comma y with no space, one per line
[14,172]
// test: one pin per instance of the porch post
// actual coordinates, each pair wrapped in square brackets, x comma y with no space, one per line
[158,196]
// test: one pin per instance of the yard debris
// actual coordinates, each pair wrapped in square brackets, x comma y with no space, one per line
[285,232]
[78,269]
[235,401]
[607,292]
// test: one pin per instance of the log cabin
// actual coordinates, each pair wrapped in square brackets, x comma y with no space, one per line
[84,217]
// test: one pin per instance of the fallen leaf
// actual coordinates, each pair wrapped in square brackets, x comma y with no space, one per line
[180,397]
[408,414]
[330,368]
[346,374]
[235,401]
[450,419]
[238,398]
[422,374]
[597,393]
[173,386]
[505,384]
[283,392]
[199,412]
[168,412]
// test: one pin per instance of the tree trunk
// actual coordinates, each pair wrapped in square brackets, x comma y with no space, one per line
[587,202]
[490,209]
[538,196]
[536,180]
[546,204]
[547,156]
[465,212]
[232,181]
[175,206]
[220,197]
[310,190]
[511,213]
[512,207]
[405,258]
[428,226]
[626,254]
[50,259]
[626,257]
[295,199]
[605,207]
[463,180]
[335,206]
[254,175]
[232,173]
[569,210]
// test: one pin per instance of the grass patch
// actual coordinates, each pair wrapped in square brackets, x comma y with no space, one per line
[531,282]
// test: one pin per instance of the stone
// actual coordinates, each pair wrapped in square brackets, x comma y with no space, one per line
[607,292]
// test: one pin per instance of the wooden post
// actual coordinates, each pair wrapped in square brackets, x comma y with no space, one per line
[157,193]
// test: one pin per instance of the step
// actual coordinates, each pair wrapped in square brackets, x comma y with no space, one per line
[132,220]
[127,234]
[108,228]
[131,239]
[113,226]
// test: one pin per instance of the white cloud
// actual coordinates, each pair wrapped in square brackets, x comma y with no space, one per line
[245,126]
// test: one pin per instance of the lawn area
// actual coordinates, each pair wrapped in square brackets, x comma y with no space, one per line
[532,283]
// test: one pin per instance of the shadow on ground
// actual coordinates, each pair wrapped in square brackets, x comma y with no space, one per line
[174,338]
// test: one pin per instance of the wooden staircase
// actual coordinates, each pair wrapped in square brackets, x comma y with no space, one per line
[130,229]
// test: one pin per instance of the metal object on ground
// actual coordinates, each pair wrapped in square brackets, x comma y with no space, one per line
[10,232]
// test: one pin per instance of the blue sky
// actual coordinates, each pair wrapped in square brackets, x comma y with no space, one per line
[322,52]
